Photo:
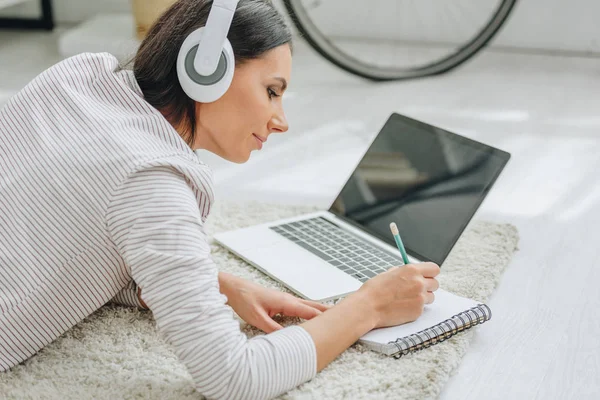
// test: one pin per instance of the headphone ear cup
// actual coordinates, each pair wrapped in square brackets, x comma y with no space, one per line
[202,88]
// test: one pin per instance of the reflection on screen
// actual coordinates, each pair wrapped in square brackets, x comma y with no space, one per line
[427,180]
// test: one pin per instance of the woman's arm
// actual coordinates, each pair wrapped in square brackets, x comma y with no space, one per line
[341,326]
[155,222]
[224,284]
[124,297]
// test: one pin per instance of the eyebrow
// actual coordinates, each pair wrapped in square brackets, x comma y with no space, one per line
[283,82]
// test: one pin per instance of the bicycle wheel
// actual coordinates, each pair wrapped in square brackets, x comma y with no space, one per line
[398,39]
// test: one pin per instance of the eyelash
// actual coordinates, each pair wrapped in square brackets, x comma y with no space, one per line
[272,93]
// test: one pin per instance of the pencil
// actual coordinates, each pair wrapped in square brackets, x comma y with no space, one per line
[399,243]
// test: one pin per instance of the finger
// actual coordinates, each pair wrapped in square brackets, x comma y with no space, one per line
[431,284]
[298,309]
[429,298]
[317,305]
[266,323]
[429,269]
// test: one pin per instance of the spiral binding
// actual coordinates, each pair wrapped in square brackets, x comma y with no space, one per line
[442,331]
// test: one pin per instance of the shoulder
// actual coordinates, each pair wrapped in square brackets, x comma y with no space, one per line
[93,63]
[84,65]
[170,175]
[75,73]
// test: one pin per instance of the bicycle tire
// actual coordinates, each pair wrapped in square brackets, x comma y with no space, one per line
[320,43]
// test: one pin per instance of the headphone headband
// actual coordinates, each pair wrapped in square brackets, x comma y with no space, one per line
[214,36]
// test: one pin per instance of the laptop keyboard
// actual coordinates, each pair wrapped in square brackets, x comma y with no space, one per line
[345,251]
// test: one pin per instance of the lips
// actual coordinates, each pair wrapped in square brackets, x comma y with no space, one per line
[260,138]
[259,141]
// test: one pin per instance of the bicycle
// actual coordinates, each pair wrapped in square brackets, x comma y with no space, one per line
[355,48]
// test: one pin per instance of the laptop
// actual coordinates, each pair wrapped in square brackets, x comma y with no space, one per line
[427,180]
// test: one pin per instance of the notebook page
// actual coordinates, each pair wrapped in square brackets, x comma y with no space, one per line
[445,306]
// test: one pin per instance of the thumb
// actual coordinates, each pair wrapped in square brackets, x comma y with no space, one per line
[266,323]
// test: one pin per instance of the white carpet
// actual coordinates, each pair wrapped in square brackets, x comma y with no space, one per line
[116,352]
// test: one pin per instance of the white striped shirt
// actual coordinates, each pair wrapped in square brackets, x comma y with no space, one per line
[98,191]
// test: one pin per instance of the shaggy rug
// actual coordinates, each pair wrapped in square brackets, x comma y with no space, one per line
[116,353]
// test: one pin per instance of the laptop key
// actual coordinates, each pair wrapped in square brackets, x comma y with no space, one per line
[370,274]
[315,251]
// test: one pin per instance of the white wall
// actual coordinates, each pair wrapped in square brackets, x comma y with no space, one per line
[540,24]
[554,24]
[78,10]
[71,11]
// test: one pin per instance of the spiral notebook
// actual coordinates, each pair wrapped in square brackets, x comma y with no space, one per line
[448,315]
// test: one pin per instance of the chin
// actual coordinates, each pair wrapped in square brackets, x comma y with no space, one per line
[238,159]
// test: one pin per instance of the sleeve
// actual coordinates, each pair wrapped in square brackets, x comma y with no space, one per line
[128,296]
[155,221]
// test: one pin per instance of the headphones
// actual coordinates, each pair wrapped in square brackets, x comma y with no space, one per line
[205,62]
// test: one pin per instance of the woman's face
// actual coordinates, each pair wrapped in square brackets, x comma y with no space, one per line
[251,109]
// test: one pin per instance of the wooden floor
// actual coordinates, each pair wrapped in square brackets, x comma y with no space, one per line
[543,341]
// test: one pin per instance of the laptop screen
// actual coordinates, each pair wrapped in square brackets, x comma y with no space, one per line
[427,180]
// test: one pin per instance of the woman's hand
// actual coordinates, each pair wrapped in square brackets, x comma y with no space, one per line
[399,294]
[256,304]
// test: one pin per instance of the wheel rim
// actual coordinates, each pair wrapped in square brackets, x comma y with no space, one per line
[330,46]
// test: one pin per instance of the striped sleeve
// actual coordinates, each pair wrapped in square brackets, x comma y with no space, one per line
[155,222]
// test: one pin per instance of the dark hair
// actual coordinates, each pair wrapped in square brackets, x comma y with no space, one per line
[256,28]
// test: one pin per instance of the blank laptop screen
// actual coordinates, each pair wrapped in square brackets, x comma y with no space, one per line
[427,180]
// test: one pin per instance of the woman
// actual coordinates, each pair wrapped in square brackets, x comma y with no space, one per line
[102,197]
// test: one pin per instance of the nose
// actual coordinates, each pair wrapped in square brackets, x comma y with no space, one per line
[278,123]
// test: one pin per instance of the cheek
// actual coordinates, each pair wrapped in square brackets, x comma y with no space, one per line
[226,120]
[253,108]
[242,111]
